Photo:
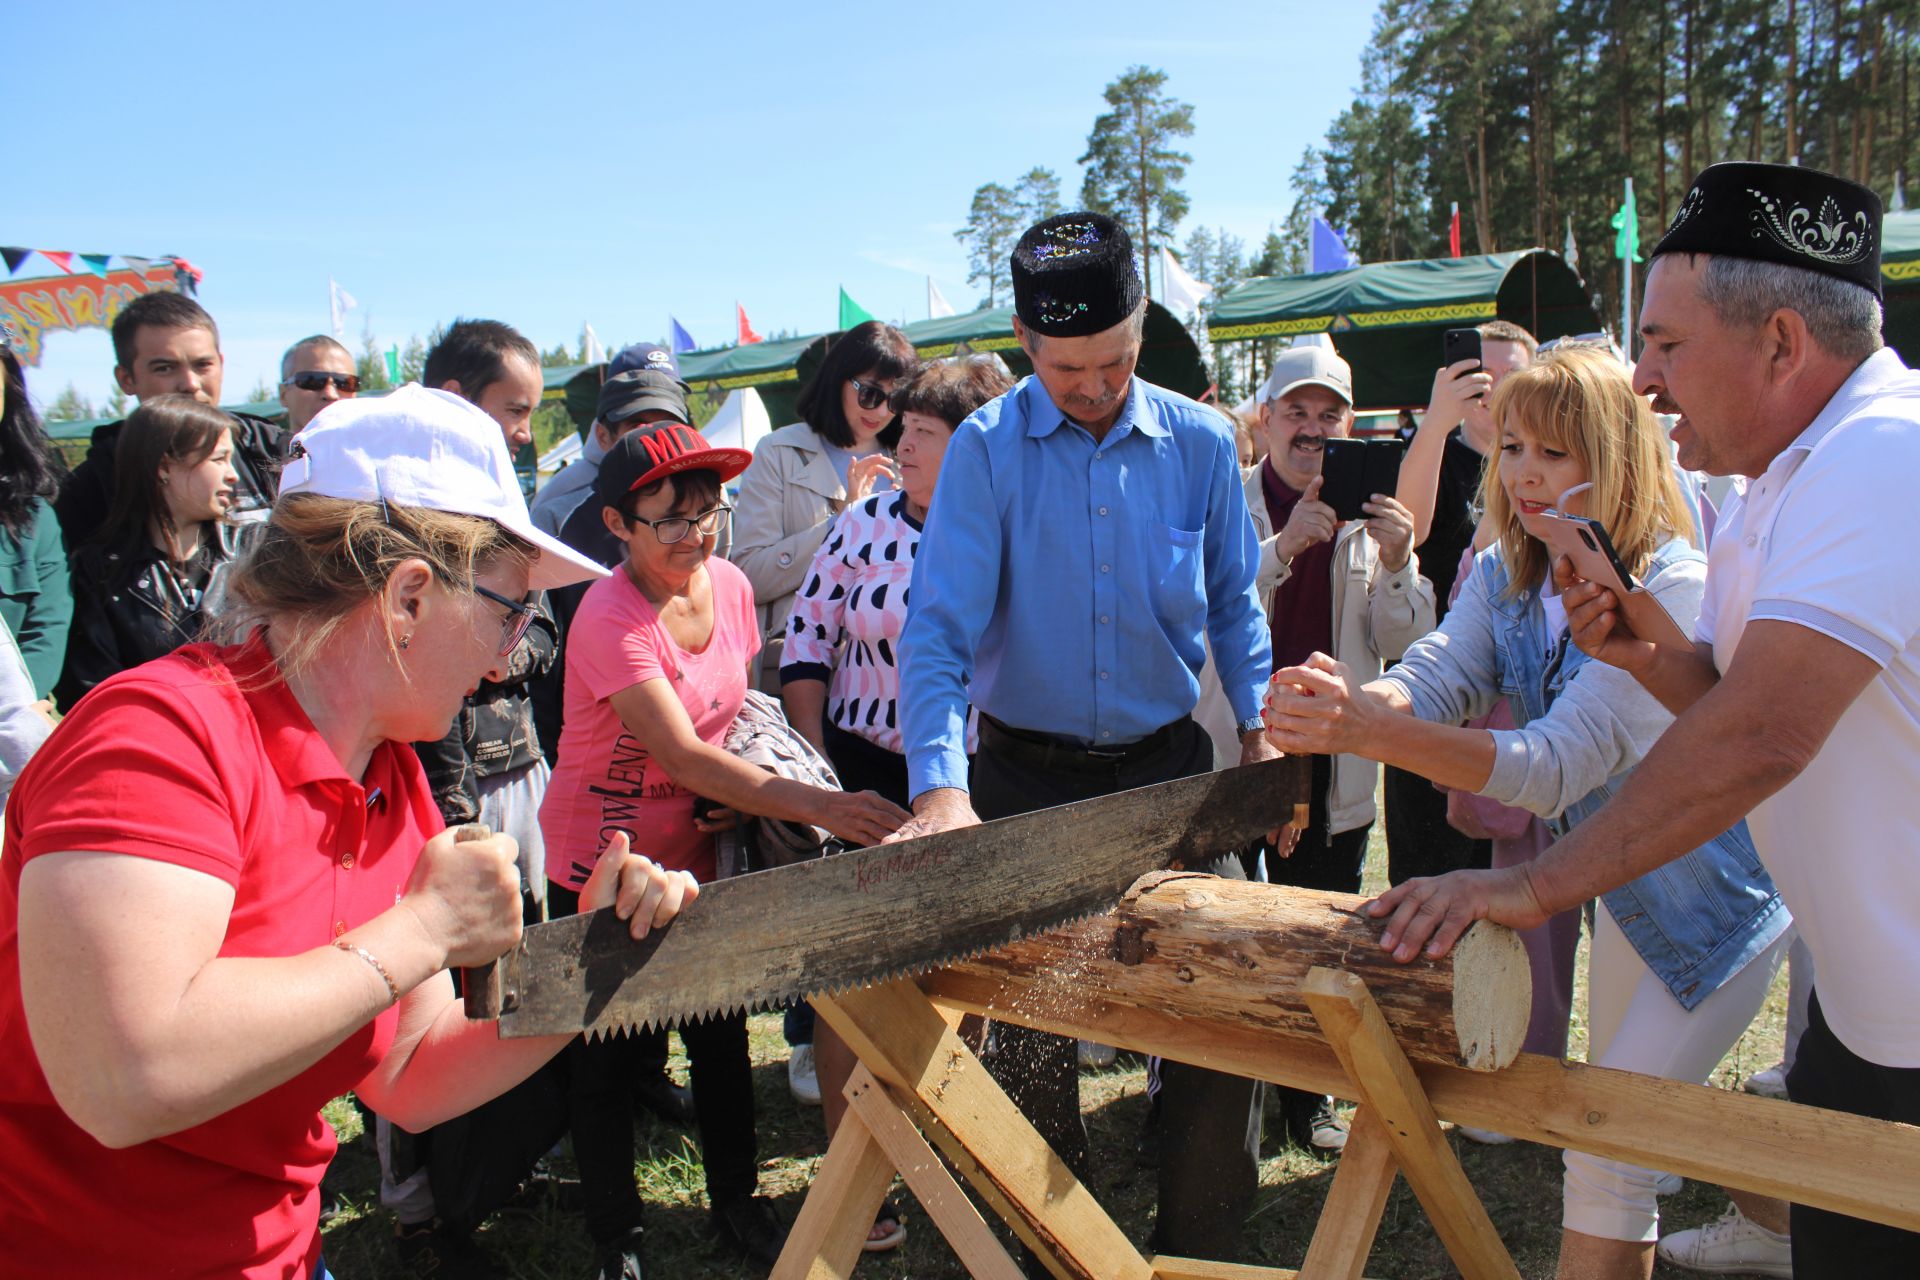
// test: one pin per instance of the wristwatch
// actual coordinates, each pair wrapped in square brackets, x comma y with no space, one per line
[1248,725]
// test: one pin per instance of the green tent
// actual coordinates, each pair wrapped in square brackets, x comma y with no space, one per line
[1386,318]
[1900,270]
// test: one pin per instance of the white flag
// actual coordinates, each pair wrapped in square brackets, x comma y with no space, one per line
[1178,290]
[937,304]
[1572,251]
[592,351]
[340,302]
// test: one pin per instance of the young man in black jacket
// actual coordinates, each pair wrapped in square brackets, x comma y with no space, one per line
[166,343]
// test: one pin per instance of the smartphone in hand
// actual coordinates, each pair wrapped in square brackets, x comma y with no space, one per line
[1584,541]
[1460,344]
[1352,471]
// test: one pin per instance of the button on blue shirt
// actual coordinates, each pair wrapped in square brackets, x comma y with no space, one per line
[1076,582]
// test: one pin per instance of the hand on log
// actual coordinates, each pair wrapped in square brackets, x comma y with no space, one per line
[1434,911]
[1236,953]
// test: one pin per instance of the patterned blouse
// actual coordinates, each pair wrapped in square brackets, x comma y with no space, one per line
[848,615]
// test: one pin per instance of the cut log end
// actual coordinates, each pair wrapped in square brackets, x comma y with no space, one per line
[1489,971]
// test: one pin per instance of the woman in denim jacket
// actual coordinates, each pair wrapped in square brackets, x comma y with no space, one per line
[1682,957]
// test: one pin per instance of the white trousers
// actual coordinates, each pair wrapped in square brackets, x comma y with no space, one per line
[1635,1024]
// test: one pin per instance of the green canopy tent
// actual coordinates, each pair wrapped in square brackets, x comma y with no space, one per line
[1900,271]
[1386,318]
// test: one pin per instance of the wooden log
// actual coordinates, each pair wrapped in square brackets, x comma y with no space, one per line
[1236,954]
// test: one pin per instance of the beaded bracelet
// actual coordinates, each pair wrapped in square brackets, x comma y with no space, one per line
[373,960]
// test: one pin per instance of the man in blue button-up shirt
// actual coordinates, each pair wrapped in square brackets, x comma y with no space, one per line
[1088,538]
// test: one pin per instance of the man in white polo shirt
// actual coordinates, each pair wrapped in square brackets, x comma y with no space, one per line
[1799,704]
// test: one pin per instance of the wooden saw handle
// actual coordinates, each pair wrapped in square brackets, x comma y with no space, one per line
[481,986]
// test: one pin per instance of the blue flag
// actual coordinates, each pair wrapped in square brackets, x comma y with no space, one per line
[682,340]
[1329,250]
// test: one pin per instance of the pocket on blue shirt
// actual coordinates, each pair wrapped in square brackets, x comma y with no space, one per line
[1179,577]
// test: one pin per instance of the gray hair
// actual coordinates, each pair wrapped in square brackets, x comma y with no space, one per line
[320,340]
[1841,316]
[1136,327]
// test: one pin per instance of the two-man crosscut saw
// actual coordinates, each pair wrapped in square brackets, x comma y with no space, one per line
[872,914]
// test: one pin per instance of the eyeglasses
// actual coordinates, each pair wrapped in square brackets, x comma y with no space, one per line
[314,380]
[869,395]
[514,626]
[672,529]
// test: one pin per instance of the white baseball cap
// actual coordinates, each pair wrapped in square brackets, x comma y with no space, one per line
[1319,366]
[431,449]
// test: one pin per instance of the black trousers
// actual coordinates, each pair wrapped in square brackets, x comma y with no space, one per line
[1319,861]
[1210,1122]
[1828,1245]
[1420,840]
[866,766]
[601,1077]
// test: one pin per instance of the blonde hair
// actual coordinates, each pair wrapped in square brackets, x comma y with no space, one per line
[1579,399]
[321,558]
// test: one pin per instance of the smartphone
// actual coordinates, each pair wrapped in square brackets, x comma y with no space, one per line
[1352,471]
[1584,541]
[1459,344]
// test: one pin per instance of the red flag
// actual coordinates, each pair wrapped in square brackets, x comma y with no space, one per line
[1453,230]
[60,258]
[747,335]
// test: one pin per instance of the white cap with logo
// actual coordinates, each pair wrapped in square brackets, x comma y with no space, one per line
[431,449]
[1318,366]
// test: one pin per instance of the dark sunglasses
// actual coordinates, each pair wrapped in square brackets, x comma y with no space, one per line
[869,395]
[348,383]
[514,626]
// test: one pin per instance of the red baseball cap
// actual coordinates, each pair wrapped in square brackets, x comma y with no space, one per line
[657,450]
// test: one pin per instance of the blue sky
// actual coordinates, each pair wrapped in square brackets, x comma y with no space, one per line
[558,164]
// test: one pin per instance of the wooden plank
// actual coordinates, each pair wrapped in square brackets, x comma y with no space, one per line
[838,1212]
[1350,1218]
[972,1240]
[1168,1267]
[1373,1060]
[907,1046]
[1852,1165]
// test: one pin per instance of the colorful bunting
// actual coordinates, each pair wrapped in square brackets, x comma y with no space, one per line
[14,258]
[61,258]
[96,262]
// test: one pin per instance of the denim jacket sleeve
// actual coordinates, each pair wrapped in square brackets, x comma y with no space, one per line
[1601,724]
[1453,674]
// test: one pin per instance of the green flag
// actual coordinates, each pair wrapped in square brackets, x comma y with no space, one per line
[851,312]
[393,366]
[1626,226]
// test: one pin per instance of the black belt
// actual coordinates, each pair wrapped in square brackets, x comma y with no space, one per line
[1050,751]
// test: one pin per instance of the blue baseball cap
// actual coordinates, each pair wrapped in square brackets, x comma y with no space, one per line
[644,355]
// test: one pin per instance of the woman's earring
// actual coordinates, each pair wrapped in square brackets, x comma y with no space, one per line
[405,641]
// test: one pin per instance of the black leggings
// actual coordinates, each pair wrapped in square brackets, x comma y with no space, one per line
[602,1072]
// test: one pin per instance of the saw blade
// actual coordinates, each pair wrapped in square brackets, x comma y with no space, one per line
[885,912]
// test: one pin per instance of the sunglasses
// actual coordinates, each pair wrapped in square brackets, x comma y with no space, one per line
[514,626]
[869,395]
[672,529]
[348,383]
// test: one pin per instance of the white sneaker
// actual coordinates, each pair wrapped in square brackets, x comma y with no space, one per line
[1485,1137]
[1669,1184]
[1771,1083]
[1097,1055]
[1732,1246]
[801,1081]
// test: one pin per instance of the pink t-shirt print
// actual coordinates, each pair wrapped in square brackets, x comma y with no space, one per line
[606,782]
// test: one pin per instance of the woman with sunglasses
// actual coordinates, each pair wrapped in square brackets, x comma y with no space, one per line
[805,474]
[225,893]
[1682,958]
[141,583]
[35,602]
[657,658]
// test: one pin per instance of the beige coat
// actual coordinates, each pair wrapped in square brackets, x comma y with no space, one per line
[1376,615]
[788,498]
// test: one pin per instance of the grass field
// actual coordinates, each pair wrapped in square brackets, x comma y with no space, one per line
[1519,1183]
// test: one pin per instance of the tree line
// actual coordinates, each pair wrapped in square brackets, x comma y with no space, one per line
[1530,114]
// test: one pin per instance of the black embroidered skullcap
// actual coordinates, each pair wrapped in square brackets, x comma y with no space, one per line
[1781,213]
[1074,274]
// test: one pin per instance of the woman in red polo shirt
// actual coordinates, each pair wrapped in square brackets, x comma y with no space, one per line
[223,900]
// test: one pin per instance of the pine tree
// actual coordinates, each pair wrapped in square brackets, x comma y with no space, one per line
[1131,164]
[993,225]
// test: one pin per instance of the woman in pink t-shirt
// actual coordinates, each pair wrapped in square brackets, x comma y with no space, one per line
[656,670]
